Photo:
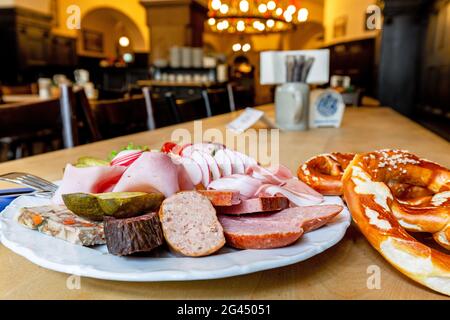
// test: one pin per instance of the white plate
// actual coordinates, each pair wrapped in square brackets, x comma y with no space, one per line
[58,255]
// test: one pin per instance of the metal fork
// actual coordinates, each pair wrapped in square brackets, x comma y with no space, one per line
[31,181]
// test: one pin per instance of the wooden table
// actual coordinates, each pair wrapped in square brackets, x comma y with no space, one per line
[338,273]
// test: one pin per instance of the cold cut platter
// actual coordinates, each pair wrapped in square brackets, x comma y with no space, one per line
[180,213]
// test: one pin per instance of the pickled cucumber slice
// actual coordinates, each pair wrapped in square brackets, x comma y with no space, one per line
[114,204]
[85,162]
[84,205]
[129,204]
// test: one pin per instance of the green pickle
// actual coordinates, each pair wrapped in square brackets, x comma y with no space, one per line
[85,162]
[114,204]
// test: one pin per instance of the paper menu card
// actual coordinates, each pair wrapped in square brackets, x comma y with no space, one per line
[273,66]
[247,119]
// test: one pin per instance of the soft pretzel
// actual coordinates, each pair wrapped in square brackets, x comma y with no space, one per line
[384,219]
[324,172]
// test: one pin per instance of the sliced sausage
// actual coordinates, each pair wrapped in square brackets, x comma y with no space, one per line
[131,235]
[190,224]
[261,204]
[274,230]
[222,197]
[245,233]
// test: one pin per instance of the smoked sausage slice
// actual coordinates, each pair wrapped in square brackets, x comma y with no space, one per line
[275,230]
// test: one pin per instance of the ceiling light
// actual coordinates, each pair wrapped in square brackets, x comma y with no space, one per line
[287,16]
[271,5]
[215,4]
[279,11]
[240,26]
[236,47]
[244,6]
[225,24]
[211,21]
[262,8]
[302,15]
[291,8]
[246,47]
[224,9]
[270,23]
[124,41]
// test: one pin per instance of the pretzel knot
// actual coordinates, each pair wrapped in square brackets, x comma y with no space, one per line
[324,172]
[390,192]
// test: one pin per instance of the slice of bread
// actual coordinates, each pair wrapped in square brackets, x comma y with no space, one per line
[190,224]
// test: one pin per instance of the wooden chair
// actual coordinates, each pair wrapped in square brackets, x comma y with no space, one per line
[120,117]
[50,123]
[162,109]
[218,100]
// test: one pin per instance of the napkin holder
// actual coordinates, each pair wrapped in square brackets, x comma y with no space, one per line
[326,108]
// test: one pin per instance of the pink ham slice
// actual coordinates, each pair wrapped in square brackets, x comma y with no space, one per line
[152,171]
[88,180]
[267,231]
[246,185]
[297,198]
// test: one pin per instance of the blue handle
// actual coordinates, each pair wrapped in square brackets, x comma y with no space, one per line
[5,200]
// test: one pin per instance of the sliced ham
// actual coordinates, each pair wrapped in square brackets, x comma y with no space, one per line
[246,185]
[267,231]
[88,180]
[152,171]
[295,199]
[261,204]
[273,175]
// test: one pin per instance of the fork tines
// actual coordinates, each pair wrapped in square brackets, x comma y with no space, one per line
[29,180]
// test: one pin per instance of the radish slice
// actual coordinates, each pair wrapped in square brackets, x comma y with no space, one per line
[237,164]
[246,185]
[209,147]
[294,198]
[248,161]
[190,168]
[186,150]
[201,161]
[126,158]
[212,164]
[224,163]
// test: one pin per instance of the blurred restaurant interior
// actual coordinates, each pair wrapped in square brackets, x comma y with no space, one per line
[191,59]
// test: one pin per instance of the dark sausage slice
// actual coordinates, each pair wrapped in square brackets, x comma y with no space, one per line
[132,235]
[275,230]
[261,204]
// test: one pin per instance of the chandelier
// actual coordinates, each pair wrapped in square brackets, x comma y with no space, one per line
[255,16]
